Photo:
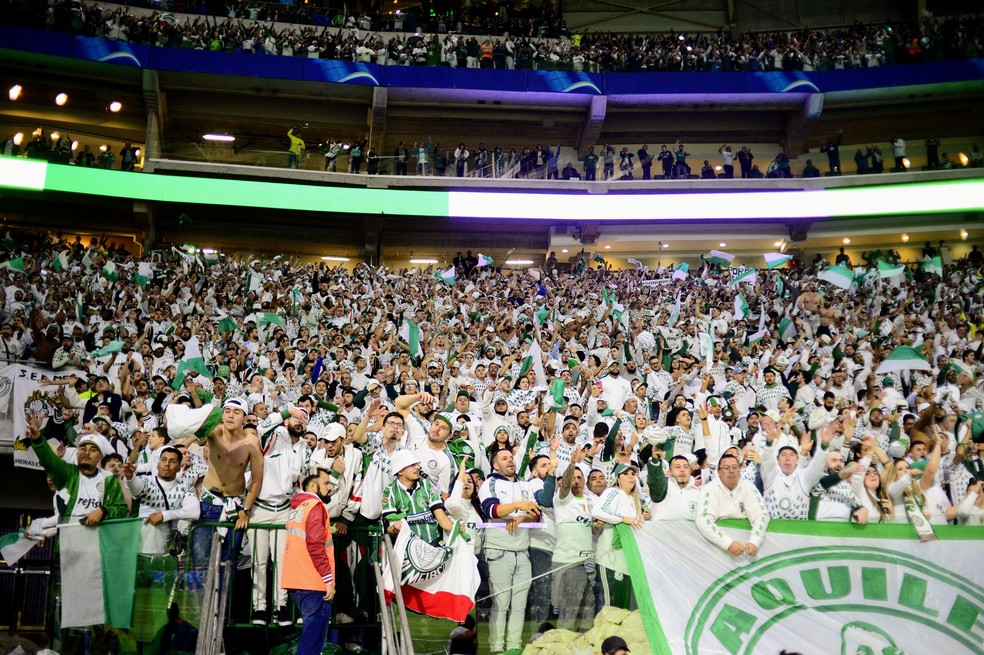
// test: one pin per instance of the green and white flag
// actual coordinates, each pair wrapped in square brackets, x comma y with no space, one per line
[227,324]
[483,261]
[87,260]
[16,265]
[269,318]
[109,271]
[193,360]
[7,243]
[599,259]
[904,358]
[110,348]
[534,361]
[557,398]
[934,265]
[749,276]
[144,274]
[99,573]
[761,332]
[816,587]
[675,312]
[14,545]
[410,333]
[741,307]
[787,329]
[888,270]
[189,248]
[720,258]
[840,276]
[780,286]
[447,277]
[775,259]
[681,271]
[541,316]
[60,262]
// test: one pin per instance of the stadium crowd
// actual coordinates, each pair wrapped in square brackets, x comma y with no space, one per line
[525,43]
[570,398]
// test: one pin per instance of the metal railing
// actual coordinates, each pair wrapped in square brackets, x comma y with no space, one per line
[217,585]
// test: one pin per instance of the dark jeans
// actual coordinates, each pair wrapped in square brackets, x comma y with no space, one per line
[201,538]
[538,603]
[316,612]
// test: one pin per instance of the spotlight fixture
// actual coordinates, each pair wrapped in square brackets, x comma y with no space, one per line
[608,247]
[722,244]
[55,136]
[18,138]
[963,235]
[15,92]
[905,238]
[115,106]
[226,138]
[332,258]
[563,250]
[103,148]
[423,261]
[519,262]
[964,159]
[61,99]
[906,163]
[846,241]
[665,245]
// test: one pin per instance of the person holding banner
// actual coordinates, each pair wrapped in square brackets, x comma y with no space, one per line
[729,496]
[619,504]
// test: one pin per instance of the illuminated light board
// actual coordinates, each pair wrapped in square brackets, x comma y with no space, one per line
[22,174]
[914,198]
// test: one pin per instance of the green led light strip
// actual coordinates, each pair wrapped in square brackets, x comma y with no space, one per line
[900,199]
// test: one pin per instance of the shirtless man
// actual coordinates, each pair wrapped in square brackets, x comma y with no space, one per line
[231,449]
[809,304]
[829,315]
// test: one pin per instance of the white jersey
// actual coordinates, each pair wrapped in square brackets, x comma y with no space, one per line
[716,502]
[788,496]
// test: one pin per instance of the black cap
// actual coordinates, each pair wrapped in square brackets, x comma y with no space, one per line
[613,644]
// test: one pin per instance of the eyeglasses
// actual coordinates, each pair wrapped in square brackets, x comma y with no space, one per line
[393,424]
[727,468]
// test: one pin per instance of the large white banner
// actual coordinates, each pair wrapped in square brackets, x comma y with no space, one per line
[814,588]
[21,392]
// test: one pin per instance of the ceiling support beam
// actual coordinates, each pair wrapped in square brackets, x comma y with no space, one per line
[799,126]
[593,125]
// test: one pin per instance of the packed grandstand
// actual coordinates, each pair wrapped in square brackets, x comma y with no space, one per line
[245,453]
[574,400]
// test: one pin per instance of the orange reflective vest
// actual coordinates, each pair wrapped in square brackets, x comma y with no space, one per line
[486,51]
[299,569]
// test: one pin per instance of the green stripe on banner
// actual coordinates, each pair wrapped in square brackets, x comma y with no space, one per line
[869,531]
[119,545]
[643,594]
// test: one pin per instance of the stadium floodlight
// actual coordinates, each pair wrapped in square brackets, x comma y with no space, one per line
[225,138]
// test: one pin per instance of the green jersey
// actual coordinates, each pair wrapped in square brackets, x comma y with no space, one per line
[416,506]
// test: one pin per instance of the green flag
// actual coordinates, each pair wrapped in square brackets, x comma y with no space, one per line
[410,333]
[934,265]
[447,277]
[840,276]
[775,259]
[16,265]
[227,325]
[269,318]
[557,398]
[60,262]
[888,270]
[741,307]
